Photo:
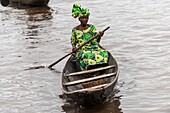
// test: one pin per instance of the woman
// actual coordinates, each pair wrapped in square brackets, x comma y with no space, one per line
[90,55]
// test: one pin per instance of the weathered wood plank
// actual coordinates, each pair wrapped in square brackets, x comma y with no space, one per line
[88,79]
[87,89]
[90,71]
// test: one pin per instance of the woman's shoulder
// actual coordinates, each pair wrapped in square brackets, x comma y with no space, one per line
[78,28]
[92,26]
[74,28]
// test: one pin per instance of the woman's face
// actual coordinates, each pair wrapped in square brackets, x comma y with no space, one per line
[83,20]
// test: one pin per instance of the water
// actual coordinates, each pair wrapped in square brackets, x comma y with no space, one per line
[139,38]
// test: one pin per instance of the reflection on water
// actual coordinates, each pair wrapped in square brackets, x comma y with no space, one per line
[36,14]
[39,13]
[109,107]
[34,19]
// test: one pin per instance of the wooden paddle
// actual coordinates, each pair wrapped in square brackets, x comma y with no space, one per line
[50,66]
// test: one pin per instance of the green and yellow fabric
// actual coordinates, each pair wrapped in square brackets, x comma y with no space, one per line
[91,53]
[78,12]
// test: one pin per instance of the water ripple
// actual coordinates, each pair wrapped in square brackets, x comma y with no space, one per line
[138,38]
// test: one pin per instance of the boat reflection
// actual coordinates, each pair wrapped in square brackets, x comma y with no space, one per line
[35,22]
[109,107]
[39,13]
[35,13]
[36,18]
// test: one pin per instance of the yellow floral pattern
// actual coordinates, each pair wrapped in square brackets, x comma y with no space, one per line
[91,53]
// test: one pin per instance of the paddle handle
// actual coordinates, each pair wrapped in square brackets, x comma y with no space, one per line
[50,66]
[106,28]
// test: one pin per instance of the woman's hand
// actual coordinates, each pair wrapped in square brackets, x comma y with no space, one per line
[74,48]
[101,33]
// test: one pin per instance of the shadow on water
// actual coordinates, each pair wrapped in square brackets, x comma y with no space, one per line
[109,107]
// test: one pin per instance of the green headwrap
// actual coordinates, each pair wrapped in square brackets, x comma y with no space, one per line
[77,11]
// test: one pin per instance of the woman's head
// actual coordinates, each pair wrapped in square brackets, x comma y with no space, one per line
[78,12]
[83,20]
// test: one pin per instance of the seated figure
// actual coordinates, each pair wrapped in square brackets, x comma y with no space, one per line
[90,55]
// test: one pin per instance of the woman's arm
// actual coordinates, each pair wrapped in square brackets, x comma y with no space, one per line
[95,32]
[73,40]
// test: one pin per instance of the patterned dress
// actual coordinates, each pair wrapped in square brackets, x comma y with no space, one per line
[91,53]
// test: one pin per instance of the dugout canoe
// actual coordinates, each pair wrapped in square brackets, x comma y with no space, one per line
[91,87]
[25,2]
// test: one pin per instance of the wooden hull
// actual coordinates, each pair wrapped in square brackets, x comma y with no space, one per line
[4,2]
[95,92]
[25,2]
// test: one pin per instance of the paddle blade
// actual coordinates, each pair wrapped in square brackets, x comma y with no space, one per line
[36,67]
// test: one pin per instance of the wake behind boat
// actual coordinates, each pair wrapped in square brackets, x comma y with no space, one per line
[91,87]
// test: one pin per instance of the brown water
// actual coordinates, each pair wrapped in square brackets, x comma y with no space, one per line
[139,38]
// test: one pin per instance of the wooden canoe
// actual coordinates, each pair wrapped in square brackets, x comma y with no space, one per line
[25,2]
[91,87]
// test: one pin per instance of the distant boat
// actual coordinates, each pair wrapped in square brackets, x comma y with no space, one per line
[25,2]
